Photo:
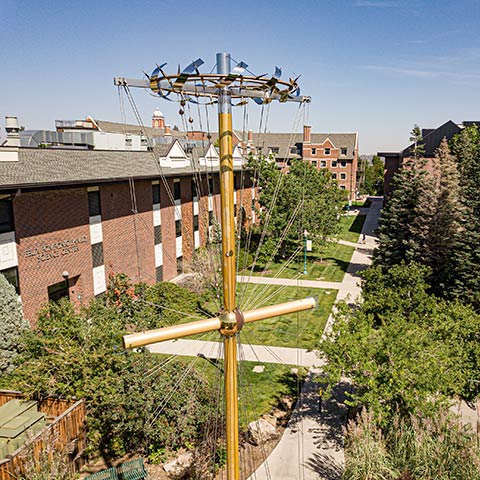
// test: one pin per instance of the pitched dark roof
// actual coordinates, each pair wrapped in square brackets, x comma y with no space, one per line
[49,167]
[434,137]
[283,140]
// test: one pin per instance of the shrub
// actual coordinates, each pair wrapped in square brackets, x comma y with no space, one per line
[12,324]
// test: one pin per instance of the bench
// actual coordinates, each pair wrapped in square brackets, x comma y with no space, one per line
[133,470]
[109,474]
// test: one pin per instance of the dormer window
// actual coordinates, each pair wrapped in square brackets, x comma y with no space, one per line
[344,151]
[128,141]
[275,149]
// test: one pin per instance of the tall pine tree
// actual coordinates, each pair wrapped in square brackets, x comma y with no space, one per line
[404,220]
[445,220]
[466,147]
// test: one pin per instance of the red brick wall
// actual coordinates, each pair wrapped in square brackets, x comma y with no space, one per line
[42,220]
[128,240]
[188,243]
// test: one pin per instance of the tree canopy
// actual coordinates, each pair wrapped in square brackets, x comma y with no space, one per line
[404,349]
[305,198]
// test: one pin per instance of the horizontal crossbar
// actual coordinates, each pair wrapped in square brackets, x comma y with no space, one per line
[211,324]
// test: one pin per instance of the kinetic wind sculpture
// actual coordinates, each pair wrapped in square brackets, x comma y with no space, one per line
[224,85]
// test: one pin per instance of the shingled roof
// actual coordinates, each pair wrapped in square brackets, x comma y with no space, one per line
[50,167]
[285,141]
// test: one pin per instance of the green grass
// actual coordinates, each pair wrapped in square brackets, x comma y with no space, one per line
[258,392]
[301,330]
[329,267]
[357,204]
[350,227]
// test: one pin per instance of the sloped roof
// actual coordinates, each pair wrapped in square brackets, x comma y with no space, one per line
[340,140]
[49,167]
[283,141]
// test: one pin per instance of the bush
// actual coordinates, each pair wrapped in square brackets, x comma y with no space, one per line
[12,324]
[415,447]
[135,401]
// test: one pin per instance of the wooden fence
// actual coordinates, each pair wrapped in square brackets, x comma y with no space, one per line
[64,436]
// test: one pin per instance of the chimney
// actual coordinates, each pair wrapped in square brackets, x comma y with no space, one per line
[168,131]
[307,134]
[13,131]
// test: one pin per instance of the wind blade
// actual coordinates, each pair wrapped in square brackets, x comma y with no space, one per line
[193,66]
[239,68]
[232,76]
[187,71]
[278,72]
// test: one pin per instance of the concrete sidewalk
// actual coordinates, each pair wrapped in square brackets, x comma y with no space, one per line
[311,447]
[251,353]
[289,281]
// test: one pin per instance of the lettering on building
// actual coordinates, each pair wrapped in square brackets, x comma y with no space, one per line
[59,249]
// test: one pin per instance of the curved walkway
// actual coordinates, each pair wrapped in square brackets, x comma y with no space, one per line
[311,447]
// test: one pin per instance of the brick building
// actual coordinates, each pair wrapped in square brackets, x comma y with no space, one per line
[69,215]
[337,152]
[432,137]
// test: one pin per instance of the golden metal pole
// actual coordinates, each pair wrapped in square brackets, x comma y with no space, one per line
[228,318]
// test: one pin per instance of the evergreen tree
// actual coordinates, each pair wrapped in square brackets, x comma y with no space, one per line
[417,139]
[445,219]
[403,225]
[466,147]
[12,324]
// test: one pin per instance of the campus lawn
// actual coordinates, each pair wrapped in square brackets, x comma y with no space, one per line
[301,330]
[350,227]
[329,267]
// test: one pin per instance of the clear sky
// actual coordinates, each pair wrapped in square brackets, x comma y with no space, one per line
[372,66]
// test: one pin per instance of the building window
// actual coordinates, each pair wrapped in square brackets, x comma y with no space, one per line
[195,223]
[342,187]
[344,151]
[293,150]
[334,176]
[314,151]
[156,193]
[94,207]
[157,232]
[194,190]
[128,141]
[210,186]
[6,215]
[334,163]
[274,150]
[97,254]
[327,151]
[323,163]
[343,176]
[177,190]
[11,274]
[178,228]
[159,273]
[314,163]
[58,291]
[343,163]
[179,265]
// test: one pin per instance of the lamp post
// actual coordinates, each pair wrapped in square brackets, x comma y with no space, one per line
[305,233]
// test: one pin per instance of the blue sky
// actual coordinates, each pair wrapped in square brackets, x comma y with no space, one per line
[373,66]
